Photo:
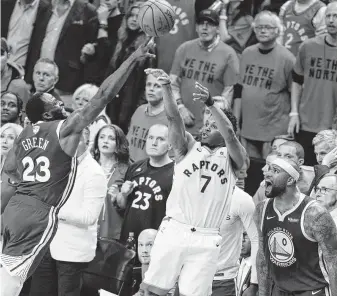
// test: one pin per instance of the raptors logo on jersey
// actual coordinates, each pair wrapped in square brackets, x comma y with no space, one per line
[202,189]
[298,27]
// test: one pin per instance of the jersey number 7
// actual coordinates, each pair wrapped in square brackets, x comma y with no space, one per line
[208,179]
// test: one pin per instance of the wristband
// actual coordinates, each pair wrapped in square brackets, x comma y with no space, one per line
[254,285]
[223,17]
[209,102]
[293,114]
[180,106]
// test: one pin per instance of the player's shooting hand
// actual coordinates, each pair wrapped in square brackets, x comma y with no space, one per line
[162,77]
[294,125]
[127,188]
[202,94]
[143,51]
[330,159]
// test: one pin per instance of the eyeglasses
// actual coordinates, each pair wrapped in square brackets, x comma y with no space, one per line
[324,190]
[267,27]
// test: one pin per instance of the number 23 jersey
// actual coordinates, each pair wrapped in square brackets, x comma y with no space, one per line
[146,204]
[203,185]
[46,171]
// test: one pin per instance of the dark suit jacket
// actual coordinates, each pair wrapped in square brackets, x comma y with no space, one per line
[80,27]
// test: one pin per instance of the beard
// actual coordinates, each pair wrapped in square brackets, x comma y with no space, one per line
[275,191]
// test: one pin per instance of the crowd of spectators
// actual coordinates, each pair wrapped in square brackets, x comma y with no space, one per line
[273,63]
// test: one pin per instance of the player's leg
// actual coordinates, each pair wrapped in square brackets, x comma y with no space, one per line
[70,277]
[44,279]
[10,285]
[200,265]
[167,257]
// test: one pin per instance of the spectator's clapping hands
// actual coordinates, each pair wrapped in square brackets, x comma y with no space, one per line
[127,188]
[112,192]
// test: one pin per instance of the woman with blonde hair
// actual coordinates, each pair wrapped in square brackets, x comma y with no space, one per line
[82,95]
[130,36]
[9,132]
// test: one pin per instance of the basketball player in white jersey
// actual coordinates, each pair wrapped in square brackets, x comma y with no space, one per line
[188,241]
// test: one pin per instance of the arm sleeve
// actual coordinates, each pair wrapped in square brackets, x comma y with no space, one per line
[297,78]
[237,91]
[319,21]
[247,217]
[93,197]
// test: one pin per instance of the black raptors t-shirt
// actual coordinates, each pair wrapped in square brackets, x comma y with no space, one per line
[146,205]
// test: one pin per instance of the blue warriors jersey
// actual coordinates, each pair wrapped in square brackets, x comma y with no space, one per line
[292,256]
[46,171]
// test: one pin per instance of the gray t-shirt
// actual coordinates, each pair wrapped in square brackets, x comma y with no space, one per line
[266,80]
[214,69]
[317,62]
[140,124]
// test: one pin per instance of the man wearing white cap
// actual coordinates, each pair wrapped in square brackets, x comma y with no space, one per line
[294,232]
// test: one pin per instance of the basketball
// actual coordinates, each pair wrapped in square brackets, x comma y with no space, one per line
[156,17]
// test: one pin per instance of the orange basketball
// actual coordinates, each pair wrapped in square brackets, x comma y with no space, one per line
[156,17]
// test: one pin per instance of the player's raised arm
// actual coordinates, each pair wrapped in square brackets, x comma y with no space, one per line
[108,90]
[178,137]
[319,225]
[261,262]
[236,151]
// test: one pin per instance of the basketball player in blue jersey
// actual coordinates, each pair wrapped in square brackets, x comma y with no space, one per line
[188,241]
[44,163]
[297,238]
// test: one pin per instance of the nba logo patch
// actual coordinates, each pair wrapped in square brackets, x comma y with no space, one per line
[36,128]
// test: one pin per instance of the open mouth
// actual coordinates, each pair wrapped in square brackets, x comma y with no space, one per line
[268,185]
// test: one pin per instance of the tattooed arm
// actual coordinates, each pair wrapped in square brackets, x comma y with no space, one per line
[319,225]
[71,129]
[261,262]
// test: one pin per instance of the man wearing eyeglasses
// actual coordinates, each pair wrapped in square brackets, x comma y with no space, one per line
[263,96]
[326,194]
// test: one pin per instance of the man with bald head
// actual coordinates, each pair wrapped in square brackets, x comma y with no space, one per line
[145,243]
[292,229]
[326,194]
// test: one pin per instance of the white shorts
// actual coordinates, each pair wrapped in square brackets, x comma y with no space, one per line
[185,252]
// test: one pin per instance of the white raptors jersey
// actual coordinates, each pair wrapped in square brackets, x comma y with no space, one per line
[203,185]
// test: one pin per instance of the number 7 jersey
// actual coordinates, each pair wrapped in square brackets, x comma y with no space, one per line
[203,185]
[46,171]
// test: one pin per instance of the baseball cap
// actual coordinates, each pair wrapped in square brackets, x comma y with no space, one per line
[4,45]
[208,15]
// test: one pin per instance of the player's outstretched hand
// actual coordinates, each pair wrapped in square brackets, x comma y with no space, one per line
[144,49]
[202,95]
[162,77]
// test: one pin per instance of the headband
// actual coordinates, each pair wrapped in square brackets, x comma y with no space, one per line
[287,167]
